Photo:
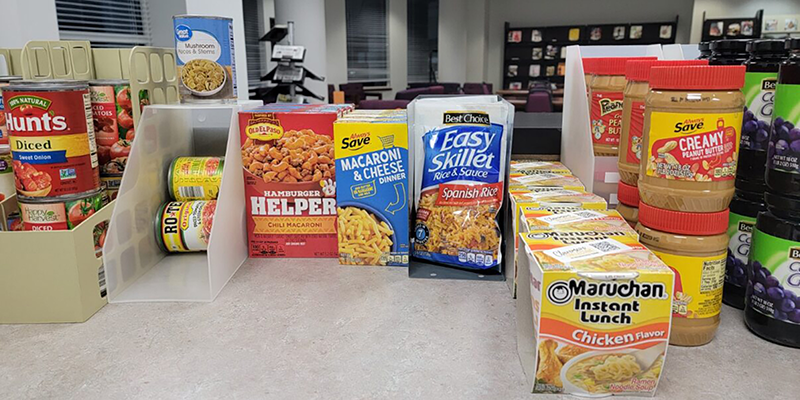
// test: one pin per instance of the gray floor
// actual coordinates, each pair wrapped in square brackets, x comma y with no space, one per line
[311,329]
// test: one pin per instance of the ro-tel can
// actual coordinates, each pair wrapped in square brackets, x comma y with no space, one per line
[6,173]
[111,183]
[206,65]
[52,138]
[4,81]
[195,178]
[112,113]
[61,213]
[184,226]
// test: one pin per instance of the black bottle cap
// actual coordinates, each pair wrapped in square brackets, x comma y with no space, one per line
[729,45]
[793,44]
[766,46]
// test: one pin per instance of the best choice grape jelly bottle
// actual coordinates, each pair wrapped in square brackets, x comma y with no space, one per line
[783,154]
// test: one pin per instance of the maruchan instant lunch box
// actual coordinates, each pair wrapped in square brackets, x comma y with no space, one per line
[184,226]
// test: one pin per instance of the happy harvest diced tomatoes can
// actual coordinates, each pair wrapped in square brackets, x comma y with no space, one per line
[52,138]
[58,214]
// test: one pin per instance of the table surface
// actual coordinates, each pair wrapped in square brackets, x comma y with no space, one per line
[311,329]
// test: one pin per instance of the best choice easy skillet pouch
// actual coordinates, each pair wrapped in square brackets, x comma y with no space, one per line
[461,154]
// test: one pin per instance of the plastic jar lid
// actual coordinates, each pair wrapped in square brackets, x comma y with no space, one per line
[683,223]
[639,70]
[717,77]
[614,65]
[628,195]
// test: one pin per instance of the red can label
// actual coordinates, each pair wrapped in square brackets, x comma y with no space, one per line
[634,145]
[52,142]
[606,116]
[113,123]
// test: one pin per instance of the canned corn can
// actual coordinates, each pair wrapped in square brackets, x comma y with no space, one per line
[112,114]
[52,139]
[58,214]
[195,178]
[205,58]
[184,226]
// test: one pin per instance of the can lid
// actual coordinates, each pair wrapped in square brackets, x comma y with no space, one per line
[701,77]
[614,65]
[628,194]
[792,44]
[683,223]
[639,70]
[729,46]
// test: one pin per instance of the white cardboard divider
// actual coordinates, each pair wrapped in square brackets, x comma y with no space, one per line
[598,174]
[137,270]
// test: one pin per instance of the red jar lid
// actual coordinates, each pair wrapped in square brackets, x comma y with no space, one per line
[683,223]
[614,65]
[709,77]
[628,195]
[639,70]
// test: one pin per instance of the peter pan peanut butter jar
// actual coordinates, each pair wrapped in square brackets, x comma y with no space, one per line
[694,246]
[637,73]
[692,128]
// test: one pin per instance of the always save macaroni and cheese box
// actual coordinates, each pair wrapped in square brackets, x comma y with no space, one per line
[372,188]
[593,314]
[289,175]
[521,197]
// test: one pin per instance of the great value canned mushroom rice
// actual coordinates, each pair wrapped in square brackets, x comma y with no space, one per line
[58,214]
[52,138]
[184,226]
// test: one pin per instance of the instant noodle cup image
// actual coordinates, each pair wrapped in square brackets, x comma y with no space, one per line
[593,317]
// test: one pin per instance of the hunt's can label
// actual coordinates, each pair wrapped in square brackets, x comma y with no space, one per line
[185,226]
[52,138]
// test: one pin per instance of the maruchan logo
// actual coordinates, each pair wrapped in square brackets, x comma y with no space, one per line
[794,253]
[769,84]
[183,33]
[745,226]
[467,118]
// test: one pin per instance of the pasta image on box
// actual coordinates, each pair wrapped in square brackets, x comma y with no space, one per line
[593,314]
[461,150]
[290,180]
[372,189]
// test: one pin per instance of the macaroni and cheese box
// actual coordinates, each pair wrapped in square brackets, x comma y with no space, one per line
[593,314]
[553,198]
[289,175]
[372,189]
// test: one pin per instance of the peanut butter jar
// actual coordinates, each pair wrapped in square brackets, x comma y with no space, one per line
[637,73]
[692,127]
[605,103]
[694,246]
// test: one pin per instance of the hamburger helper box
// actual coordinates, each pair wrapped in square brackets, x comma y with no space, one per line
[290,179]
[593,313]
[372,185]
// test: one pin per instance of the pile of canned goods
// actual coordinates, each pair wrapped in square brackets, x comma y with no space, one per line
[184,225]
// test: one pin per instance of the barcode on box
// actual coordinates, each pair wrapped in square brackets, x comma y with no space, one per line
[191,192]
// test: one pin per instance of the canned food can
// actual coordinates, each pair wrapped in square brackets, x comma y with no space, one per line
[4,81]
[205,58]
[112,113]
[195,178]
[6,173]
[111,184]
[52,138]
[184,226]
[58,214]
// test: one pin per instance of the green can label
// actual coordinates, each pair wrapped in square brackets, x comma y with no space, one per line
[774,283]
[740,230]
[784,146]
[759,94]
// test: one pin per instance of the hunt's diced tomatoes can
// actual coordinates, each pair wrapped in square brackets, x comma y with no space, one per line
[52,138]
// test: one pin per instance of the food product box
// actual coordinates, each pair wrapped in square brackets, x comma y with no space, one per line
[372,189]
[540,197]
[593,314]
[289,175]
[546,179]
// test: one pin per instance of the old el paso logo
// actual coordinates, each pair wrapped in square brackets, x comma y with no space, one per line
[24,120]
[608,106]
[474,118]
[605,310]
[769,84]
[355,141]
[689,125]
[264,128]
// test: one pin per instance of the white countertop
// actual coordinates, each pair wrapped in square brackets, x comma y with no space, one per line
[301,329]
